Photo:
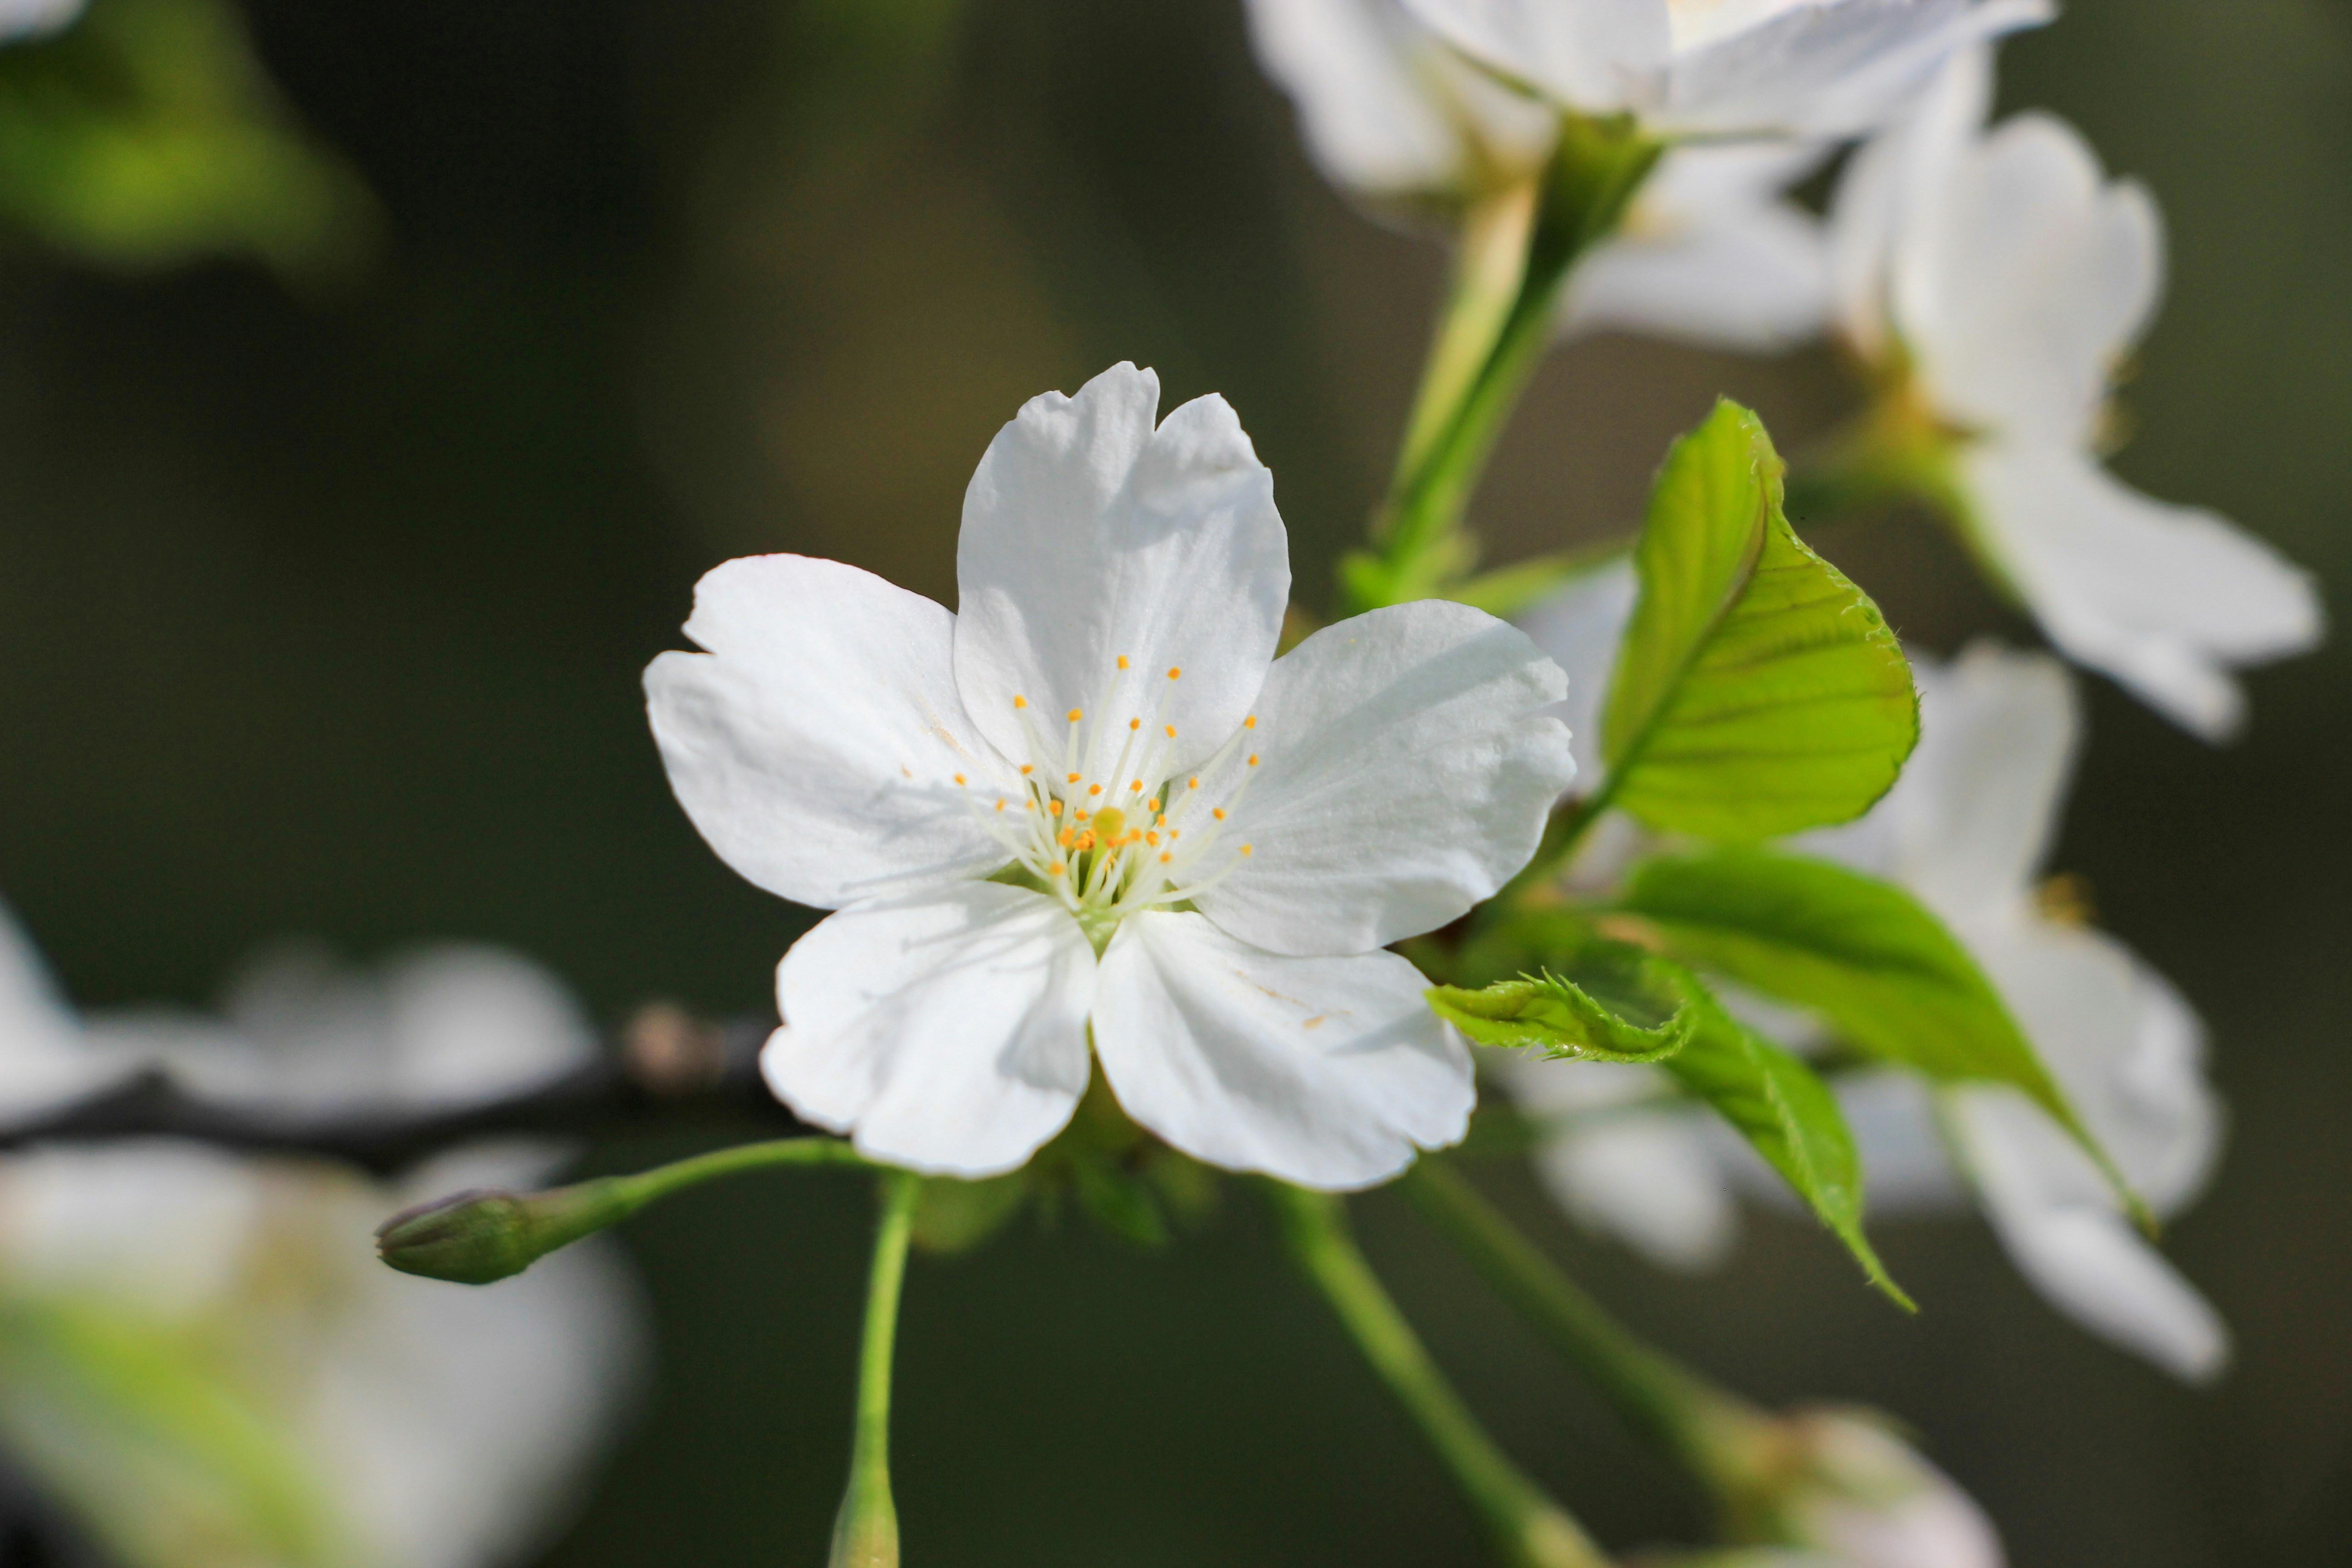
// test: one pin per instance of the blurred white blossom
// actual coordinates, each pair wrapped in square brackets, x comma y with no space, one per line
[1710,252]
[1686,67]
[1862,1498]
[199,1350]
[1094,806]
[1966,830]
[1996,279]
[21,19]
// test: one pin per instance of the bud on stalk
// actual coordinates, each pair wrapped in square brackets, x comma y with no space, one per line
[486,1234]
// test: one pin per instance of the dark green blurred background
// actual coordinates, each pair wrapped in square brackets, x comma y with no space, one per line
[328,617]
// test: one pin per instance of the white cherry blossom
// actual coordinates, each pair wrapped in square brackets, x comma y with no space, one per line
[1863,1498]
[409,1424]
[28,20]
[1965,829]
[1710,252]
[1093,805]
[1713,67]
[1999,278]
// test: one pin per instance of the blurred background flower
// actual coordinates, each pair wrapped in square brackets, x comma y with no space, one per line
[329,617]
[200,1356]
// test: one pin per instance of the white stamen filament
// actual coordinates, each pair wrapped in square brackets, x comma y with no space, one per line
[1136,862]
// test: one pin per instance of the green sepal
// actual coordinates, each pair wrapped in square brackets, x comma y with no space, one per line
[1758,693]
[954,1216]
[1863,953]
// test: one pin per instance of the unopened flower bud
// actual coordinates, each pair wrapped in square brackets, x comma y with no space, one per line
[1846,1486]
[486,1234]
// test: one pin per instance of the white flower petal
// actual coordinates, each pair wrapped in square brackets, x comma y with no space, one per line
[1089,537]
[1896,169]
[1407,773]
[2126,1050]
[1348,65]
[2022,277]
[1968,823]
[945,1030]
[1578,628]
[2165,598]
[815,745]
[1711,255]
[1591,55]
[42,1060]
[1904,1168]
[1828,68]
[2077,1248]
[1383,107]
[1648,1176]
[1328,1072]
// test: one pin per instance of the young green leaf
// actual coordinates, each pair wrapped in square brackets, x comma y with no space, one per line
[1786,1113]
[1619,1007]
[1862,952]
[1758,692]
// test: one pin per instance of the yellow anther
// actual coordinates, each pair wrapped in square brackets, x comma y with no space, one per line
[1165,856]
[1077,714]
[1077,816]
[1029,805]
[1021,703]
[1158,821]
[1135,786]
[1192,784]
[1173,672]
[1094,789]
[1135,723]
[1253,762]
[1172,731]
[1086,842]
[1073,778]
[1249,848]
[1152,839]
[1122,661]
[1055,807]
[1000,806]
[1028,768]
[1067,837]
[1110,822]
[1218,812]
[959,778]
[1250,723]
[1058,868]
[1151,805]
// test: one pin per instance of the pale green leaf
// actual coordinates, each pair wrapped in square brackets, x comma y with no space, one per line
[1758,693]
[1863,953]
[1618,1008]
[1788,1116]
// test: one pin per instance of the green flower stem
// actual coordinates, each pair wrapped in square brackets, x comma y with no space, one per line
[481,1235]
[1718,1435]
[1468,392]
[866,1533]
[1528,1530]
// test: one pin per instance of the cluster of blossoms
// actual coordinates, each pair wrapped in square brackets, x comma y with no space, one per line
[199,1350]
[1097,831]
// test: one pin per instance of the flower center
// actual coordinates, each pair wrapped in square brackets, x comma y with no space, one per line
[1100,821]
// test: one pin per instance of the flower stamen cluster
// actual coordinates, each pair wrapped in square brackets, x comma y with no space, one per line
[1109,841]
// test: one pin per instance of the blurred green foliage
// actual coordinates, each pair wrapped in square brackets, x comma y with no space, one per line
[145,134]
